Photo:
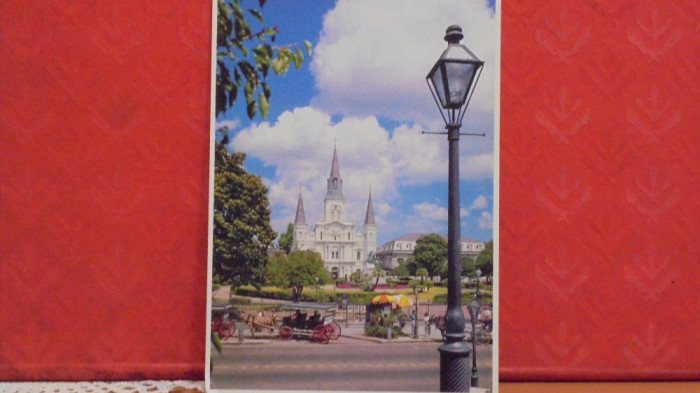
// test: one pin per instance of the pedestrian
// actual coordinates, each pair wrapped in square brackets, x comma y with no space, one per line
[414,322]
[486,317]
[426,320]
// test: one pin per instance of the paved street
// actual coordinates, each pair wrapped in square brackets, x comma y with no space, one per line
[346,364]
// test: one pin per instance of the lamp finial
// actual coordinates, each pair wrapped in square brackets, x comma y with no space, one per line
[453,34]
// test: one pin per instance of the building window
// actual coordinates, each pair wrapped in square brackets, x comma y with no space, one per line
[358,255]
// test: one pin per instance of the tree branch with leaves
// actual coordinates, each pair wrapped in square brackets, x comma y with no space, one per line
[242,230]
[245,55]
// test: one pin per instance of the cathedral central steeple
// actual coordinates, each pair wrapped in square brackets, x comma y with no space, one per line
[335,183]
[334,200]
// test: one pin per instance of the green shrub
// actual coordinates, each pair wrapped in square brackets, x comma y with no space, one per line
[322,297]
[381,322]
[275,293]
[239,300]
[360,297]
[380,331]
[441,298]
[219,303]
[363,297]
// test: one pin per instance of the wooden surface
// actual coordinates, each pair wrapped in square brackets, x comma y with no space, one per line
[608,387]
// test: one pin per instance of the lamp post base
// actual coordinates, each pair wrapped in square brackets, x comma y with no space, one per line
[454,367]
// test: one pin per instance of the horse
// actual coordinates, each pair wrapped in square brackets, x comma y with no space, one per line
[439,323]
[259,321]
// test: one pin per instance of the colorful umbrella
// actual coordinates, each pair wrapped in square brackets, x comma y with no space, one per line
[403,301]
[383,298]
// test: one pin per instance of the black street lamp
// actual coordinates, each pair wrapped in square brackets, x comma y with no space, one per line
[451,82]
[416,290]
[474,307]
[478,280]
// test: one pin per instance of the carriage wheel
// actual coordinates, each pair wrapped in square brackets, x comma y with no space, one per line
[224,331]
[286,333]
[482,337]
[321,334]
[335,330]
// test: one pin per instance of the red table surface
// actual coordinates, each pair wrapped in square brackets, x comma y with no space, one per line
[104,157]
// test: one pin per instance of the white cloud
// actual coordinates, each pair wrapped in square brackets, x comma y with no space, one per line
[299,145]
[485,221]
[430,211]
[479,203]
[373,56]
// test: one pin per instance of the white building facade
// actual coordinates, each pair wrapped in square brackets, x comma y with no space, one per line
[343,246]
[393,252]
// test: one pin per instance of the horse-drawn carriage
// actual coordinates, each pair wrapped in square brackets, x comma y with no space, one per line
[319,326]
[483,326]
[223,321]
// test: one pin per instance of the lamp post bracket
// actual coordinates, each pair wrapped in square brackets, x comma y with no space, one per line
[461,133]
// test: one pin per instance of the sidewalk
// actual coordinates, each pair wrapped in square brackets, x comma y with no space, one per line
[354,331]
[357,331]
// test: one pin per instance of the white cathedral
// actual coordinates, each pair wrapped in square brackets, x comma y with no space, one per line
[344,247]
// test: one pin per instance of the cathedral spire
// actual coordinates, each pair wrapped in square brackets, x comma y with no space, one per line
[369,216]
[335,183]
[300,217]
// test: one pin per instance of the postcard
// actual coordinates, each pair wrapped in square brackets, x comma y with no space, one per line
[353,196]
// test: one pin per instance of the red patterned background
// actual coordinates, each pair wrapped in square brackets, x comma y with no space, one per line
[104,118]
[599,210]
[104,165]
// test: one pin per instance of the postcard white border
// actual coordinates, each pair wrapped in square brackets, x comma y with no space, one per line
[496,205]
[210,218]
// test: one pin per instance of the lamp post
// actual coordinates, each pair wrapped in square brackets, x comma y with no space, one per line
[317,288]
[478,280]
[415,315]
[451,82]
[474,307]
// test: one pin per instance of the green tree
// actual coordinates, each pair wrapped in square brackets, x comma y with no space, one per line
[484,261]
[422,273]
[431,253]
[358,278]
[412,266]
[296,270]
[378,273]
[245,54]
[468,267]
[242,231]
[287,238]
[401,270]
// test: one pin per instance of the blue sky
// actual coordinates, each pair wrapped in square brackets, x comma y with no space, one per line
[364,90]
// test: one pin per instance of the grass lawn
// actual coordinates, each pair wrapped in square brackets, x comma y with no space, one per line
[329,288]
[430,295]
